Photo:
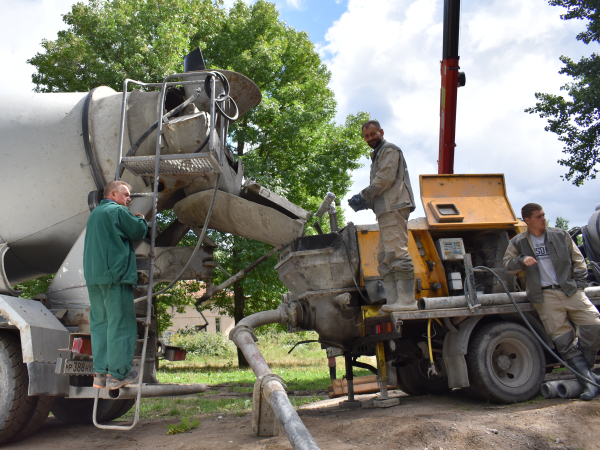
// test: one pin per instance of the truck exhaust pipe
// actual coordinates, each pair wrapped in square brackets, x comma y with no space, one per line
[271,387]
[157,390]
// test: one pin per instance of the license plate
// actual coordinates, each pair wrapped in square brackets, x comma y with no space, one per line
[79,367]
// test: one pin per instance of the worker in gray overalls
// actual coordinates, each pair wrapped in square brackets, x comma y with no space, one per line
[391,198]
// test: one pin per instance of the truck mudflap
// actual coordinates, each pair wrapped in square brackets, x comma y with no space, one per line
[42,335]
[454,351]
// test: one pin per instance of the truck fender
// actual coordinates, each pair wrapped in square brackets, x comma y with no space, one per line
[455,348]
[42,337]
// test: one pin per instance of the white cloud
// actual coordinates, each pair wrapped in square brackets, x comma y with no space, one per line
[24,24]
[385,58]
[295,4]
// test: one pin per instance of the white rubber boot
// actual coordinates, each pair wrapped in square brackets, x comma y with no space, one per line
[400,292]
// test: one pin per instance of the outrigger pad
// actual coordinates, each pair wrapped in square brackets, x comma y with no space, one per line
[238,216]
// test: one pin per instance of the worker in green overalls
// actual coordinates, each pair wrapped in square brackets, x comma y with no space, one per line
[110,273]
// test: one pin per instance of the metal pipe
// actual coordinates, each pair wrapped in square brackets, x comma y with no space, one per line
[569,388]
[459,301]
[158,390]
[593,291]
[550,389]
[274,391]
[238,276]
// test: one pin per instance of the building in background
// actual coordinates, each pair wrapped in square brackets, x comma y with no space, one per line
[211,321]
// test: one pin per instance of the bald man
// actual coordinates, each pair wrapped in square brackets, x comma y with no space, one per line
[110,273]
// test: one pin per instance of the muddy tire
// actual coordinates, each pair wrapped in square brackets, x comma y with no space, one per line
[505,362]
[80,410]
[414,380]
[15,404]
[36,418]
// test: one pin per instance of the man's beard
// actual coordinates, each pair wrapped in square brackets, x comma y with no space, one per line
[375,144]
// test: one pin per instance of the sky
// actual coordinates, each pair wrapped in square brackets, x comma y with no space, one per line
[384,56]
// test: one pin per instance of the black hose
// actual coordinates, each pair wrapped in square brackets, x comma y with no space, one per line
[581,377]
[203,144]
[220,99]
[302,342]
[200,239]
[350,264]
[134,148]
[223,96]
[364,366]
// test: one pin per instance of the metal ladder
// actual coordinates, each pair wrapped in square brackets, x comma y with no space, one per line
[158,164]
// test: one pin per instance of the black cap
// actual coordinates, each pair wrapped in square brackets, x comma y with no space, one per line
[194,61]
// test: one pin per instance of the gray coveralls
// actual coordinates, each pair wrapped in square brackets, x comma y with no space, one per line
[391,198]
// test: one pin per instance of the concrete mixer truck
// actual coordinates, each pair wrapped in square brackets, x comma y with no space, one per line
[58,152]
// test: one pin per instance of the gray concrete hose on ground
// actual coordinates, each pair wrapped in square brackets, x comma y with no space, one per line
[274,391]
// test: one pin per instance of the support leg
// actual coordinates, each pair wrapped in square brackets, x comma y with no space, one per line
[350,403]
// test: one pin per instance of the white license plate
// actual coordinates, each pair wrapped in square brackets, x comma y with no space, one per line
[79,367]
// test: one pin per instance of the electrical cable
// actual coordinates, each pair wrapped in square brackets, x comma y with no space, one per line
[222,98]
[350,264]
[581,377]
[200,239]
[302,342]
[134,148]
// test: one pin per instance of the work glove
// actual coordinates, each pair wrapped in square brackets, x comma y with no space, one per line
[358,203]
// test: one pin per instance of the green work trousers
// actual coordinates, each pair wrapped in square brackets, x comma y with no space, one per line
[113,327]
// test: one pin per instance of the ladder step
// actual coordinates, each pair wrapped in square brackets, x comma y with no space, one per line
[183,163]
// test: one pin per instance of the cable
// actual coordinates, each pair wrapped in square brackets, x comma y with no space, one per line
[200,239]
[302,342]
[350,264]
[581,377]
[134,148]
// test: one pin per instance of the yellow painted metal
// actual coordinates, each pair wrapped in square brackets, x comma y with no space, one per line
[480,200]
[368,237]
[422,249]
[367,311]
[419,241]
[380,354]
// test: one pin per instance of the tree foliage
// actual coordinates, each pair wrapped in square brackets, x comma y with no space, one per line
[562,223]
[576,120]
[289,143]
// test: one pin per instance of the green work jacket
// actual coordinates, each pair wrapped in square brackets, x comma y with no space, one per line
[108,254]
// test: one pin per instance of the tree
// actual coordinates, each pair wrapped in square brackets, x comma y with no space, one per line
[562,223]
[576,121]
[289,143]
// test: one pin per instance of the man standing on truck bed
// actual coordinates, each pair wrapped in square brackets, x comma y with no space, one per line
[391,198]
[555,272]
[111,273]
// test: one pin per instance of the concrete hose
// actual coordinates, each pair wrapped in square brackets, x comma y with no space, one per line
[274,391]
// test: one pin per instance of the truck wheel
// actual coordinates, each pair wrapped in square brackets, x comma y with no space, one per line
[80,410]
[36,418]
[121,408]
[414,380]
[505,363]
[15,404]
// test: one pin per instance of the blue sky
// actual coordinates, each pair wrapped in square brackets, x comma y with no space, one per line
[384,58]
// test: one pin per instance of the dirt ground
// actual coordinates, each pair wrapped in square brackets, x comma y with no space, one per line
[432,423]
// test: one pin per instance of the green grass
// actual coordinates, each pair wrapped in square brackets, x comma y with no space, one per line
[305,369]
[170,408]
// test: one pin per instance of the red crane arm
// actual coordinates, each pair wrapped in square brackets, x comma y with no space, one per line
[451,80]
